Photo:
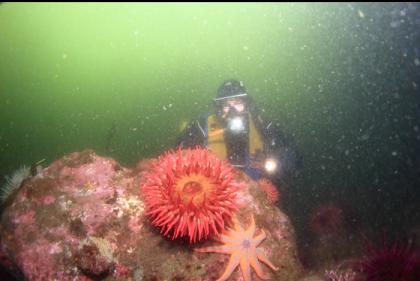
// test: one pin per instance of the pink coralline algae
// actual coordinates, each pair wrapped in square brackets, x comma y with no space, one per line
[349,275]
[26,218]
[47,200]
[134,224]
[81,196]
[83,218]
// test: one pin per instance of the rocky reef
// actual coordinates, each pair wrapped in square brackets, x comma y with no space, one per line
[84,218]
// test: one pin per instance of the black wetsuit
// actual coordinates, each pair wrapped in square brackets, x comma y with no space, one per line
[276,146]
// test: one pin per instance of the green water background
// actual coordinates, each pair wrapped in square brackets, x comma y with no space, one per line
[342,79]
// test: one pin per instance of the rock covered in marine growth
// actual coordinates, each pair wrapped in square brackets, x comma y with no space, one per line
[83,218]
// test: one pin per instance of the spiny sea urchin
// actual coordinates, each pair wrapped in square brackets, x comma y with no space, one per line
[390,262]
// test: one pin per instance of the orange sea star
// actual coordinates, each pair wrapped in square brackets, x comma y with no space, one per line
[242,247]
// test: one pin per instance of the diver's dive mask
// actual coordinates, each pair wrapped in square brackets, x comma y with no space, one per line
[235,116]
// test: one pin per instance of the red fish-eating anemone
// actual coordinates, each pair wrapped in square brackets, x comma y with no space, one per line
[190,193]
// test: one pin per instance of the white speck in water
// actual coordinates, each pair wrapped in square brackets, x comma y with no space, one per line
[64,56]
[394,153]
[364,137]
[246,48]
[394,24]
[416,61]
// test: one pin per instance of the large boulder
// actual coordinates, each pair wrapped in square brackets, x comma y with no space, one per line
[83,218]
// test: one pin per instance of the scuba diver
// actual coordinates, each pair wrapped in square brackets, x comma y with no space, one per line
[236,132]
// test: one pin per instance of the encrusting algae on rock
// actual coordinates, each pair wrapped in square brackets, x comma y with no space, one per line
[57,229]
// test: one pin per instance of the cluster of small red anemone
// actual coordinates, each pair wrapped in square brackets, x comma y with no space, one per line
[270,190]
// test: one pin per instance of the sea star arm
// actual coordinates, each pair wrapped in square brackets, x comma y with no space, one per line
[259,238]
[251,230]
[256,265]
[233,263]
[237,226]
[245,268]
[229,237]
[261,256]
[217,249]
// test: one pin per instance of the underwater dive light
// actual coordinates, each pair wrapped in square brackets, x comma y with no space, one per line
[236,125]
[270,165]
